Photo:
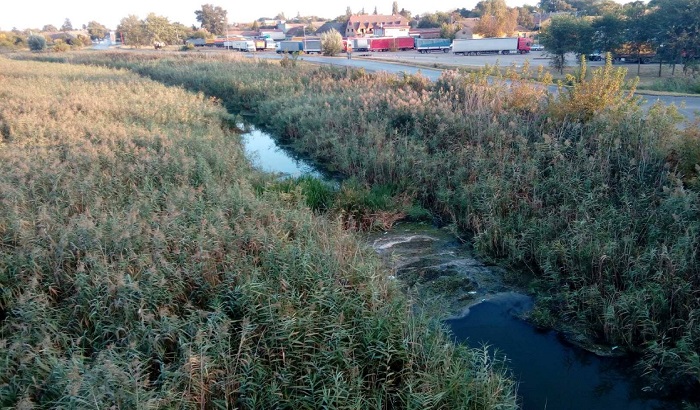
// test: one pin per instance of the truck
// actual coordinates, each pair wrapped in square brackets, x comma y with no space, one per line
[240,45]
[262,44]
[427,45]
[391,43]
[360,44]
[290,47]
[312,46]
[479,46]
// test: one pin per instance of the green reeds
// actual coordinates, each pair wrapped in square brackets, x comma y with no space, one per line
[139,267]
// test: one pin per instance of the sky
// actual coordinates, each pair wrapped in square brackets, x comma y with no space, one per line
[27,14]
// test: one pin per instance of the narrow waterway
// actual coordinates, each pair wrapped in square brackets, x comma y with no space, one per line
[436,265]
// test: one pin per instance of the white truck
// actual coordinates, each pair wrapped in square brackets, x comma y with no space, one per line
[360,44]
[240,45]
[312,46]
[479,46]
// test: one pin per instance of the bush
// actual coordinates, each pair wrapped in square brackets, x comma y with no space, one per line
[331,43]
[36,43]
[60,46]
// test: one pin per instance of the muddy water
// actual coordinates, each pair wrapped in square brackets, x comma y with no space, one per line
[480,309]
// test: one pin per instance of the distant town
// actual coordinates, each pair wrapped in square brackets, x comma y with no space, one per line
[635,32]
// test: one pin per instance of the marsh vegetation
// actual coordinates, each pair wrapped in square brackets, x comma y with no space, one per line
[593,198]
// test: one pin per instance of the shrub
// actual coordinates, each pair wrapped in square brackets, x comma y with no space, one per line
[60,46]
[36,42]
[331,43]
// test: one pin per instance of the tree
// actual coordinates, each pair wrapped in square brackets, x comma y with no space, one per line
[348,12]
[362,12]
[255,26]
[50,28]
[525,17]
[606,7]
[133,31]
[395,8]
[375,12]
[434,20]
[212,18]
[565,34]
[96,30]
[280,16]
[449,30]
[159,28]
[36,42]
[497,20]
[67,26]
[676,25]
[331,42]
[405,13]
[608,32]
[551,6]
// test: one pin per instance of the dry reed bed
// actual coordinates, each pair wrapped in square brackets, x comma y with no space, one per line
[140,269]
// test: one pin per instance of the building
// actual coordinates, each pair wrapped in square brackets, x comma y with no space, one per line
[364,24]
[332,25]
[425,32]
[391,31]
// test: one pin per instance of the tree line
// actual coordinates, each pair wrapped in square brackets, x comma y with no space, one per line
[665,30]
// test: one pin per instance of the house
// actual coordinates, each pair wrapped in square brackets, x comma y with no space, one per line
[330,25]
[273,34]
[364,24]
[425,32]
[467,31]
[391,31]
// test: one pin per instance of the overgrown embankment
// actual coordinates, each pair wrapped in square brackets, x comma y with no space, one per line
[140,268]
[596,198]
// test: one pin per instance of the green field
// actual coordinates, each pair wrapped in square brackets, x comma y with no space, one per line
[143,263]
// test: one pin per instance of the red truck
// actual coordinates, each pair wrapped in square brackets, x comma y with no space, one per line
[391,43]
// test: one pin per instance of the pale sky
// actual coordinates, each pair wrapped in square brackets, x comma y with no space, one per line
[25,14]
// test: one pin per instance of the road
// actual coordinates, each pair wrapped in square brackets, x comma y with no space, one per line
[689,107]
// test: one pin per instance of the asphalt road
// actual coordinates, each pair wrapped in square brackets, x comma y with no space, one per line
[689,107]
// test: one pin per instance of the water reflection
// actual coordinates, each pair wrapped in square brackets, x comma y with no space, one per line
[266,155]
[552,374]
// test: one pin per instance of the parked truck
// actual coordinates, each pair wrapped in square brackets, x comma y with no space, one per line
[290,47]
[479,46]
[360,44]
[390,43]
[240,45]
[312,46]
[428,45]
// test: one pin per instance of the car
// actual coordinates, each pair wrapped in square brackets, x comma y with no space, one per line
[536,47]
[596,56]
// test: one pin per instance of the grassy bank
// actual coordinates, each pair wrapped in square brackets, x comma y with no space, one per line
[140,267]
[593,197]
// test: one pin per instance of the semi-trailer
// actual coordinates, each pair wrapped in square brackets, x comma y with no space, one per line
[478,46]
[290,46]
[312,46]
[428,45]
[240,45]
[360,44]
[391,43]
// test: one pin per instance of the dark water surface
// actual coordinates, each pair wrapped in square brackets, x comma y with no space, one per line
[552,374]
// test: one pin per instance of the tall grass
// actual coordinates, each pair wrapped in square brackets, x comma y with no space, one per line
[140,268]
[594,196]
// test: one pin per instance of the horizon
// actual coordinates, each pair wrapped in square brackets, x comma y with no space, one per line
[36,15]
